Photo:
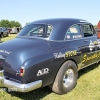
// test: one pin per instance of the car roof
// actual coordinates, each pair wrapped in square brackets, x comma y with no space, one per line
[60,26]
[59,20]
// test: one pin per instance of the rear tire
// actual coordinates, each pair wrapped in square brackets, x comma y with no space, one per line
[66,78]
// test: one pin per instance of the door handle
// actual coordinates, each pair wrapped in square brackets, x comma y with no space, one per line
[85,40]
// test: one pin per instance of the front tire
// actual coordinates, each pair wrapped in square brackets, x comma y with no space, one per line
[66,78]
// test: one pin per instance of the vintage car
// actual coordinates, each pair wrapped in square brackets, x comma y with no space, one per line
[50,53]
[3,32]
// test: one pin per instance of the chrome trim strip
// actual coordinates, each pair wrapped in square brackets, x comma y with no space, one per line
[18,87]
[92,52]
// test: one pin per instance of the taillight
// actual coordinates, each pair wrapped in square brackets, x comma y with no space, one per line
[22,71]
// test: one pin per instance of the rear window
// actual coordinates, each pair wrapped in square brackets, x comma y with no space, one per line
[36,30]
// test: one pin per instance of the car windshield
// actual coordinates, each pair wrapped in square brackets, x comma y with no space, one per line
[36,30]
[0,28]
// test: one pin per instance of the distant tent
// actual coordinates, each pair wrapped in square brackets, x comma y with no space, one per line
[98,29]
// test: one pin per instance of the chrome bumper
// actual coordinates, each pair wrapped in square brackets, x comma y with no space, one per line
[18,86]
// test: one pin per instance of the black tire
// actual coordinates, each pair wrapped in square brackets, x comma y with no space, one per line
[1,35]
[7,35]
[67,73]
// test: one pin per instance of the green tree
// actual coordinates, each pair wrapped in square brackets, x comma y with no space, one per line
[9,24]
[17,24]
[4,23]
[12,24]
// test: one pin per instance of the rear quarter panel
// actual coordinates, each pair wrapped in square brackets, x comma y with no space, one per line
[48,60]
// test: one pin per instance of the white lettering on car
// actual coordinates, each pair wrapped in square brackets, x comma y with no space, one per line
[91,45]
[77,36]
[59,55]
[43,71]
[4,51]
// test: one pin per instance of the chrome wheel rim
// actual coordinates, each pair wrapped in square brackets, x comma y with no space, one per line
[68,77]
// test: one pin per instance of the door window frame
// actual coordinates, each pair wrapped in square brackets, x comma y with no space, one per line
[94,33]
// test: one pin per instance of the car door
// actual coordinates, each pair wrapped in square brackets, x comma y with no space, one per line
[90,40]
[75,35]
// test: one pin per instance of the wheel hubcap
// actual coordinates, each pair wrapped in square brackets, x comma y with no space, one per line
[68,78]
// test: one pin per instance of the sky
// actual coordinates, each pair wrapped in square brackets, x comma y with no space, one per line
[25,11]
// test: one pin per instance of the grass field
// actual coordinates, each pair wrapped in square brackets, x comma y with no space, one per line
[11,36]
[87,88]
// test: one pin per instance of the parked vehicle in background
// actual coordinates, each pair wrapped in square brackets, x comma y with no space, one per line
[3,32]
[15,30]
[9,30]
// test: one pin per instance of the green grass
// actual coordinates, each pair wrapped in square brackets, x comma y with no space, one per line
[11,36]
[87,88]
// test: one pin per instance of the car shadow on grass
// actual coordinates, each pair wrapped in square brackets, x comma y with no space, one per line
[33,95]
[87,69]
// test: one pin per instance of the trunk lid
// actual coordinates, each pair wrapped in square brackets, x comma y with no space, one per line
[18,50]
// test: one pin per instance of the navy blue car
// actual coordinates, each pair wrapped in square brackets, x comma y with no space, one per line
[50,53]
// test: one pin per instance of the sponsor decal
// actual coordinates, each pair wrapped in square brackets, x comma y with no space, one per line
[88,58]
[77,36]
[95,42]
[91,45]
[59,55]
[73,30]
[66,54]
[71,53]
[4,51]
[68,36]
[43,72]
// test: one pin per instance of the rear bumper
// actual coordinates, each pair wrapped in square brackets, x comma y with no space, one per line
[18,86]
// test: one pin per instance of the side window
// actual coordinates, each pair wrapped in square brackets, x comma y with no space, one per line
[73,32]
[42,29]
[39,30]
[87,30]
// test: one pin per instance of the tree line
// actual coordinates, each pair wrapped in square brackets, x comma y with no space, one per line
[9,24]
